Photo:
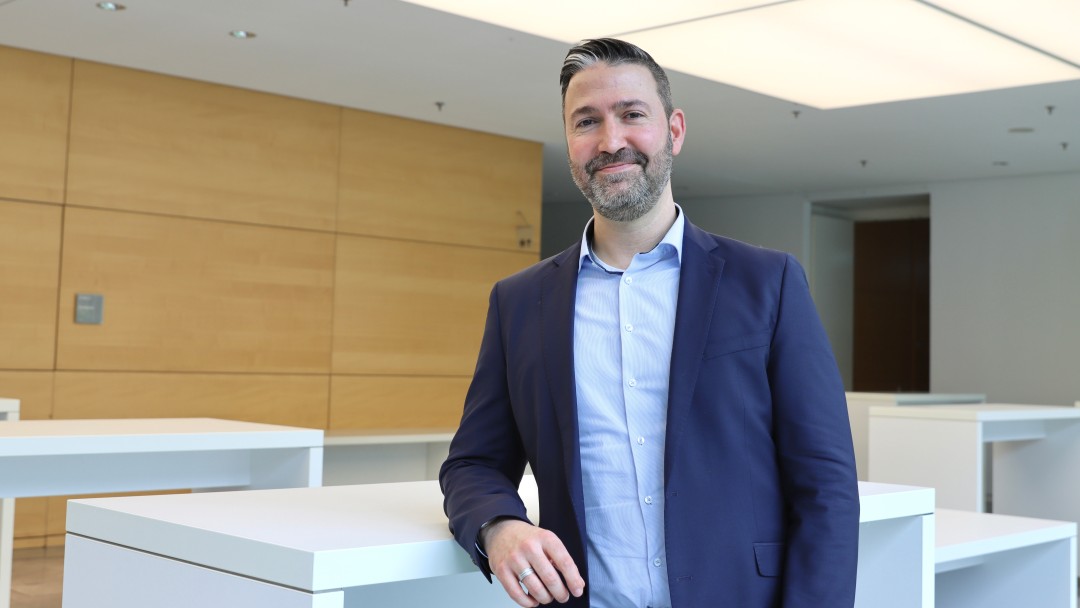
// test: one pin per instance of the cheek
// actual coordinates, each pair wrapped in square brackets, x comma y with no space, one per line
[580,154]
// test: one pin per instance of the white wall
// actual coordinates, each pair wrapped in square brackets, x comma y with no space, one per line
[776,222]
[832,283]
[1004,277]
[1005,289]
[563,224]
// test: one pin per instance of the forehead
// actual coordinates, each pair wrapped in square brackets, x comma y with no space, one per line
[602,85]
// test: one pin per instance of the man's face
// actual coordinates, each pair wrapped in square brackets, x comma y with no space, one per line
[619,141]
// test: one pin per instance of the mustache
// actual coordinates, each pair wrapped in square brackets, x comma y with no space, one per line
[624,155]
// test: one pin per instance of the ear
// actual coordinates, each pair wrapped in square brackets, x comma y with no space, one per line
[677,125]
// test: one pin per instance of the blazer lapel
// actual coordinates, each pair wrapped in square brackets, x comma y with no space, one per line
[558,292]
[699,285]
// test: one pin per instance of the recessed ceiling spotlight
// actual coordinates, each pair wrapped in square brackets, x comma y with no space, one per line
[1021,130]
[242,34]
[110,6]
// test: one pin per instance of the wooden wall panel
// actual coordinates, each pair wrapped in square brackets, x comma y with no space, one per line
[35,94]
[406,179]
[34,390]
[192,295]
[29,272]
[396,402]
[31,522]
[273,399]
[159,144]
[413,308]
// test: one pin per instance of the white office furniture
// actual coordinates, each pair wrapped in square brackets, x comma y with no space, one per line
[1036,455]
[1036,452]
[9,410]
[859,405]
[356,457]
[62,457]
[896,547]
[371,545]
[986,560]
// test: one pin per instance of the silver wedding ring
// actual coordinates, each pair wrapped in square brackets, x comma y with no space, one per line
[524,573]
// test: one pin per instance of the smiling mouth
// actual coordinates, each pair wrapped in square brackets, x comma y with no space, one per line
[616,163]
[616,168]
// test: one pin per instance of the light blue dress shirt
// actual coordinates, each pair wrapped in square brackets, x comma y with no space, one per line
[624,323]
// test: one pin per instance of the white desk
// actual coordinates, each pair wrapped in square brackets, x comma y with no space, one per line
[9,410]
[62,457]
[370,545]
[859,405]
[1036,453]
[357,457]
[986,560]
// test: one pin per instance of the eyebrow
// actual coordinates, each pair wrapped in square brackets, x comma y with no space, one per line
[619,105]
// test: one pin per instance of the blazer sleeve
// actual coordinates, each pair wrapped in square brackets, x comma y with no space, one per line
[480,477]
[816,458]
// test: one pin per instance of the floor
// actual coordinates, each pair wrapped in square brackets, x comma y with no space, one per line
[37,577]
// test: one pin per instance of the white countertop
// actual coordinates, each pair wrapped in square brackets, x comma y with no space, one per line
[916,398]
[879,501]
[983,412]
[333,537]
[963,534]
[387,436]
[118,436]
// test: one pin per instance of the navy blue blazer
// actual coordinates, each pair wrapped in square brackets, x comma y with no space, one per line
[762,504]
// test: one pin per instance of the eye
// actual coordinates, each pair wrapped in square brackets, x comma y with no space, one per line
[634,115]
[585,123]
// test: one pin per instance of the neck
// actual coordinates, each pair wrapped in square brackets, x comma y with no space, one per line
[616,243]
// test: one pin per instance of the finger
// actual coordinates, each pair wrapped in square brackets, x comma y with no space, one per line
[513,589]
[561,561]
[537,587]
[549,577]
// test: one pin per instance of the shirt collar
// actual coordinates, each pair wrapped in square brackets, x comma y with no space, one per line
[673,237]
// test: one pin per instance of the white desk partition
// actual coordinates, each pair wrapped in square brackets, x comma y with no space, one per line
[859,405]
[372,456]
[9,410]
[372,545]
[62,457]
[942,447]
[986,560]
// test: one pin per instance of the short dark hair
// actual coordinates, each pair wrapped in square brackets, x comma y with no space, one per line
[614,52]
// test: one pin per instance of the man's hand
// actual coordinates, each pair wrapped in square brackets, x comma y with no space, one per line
[513,545]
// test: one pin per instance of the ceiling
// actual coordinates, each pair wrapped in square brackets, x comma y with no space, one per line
[398,58]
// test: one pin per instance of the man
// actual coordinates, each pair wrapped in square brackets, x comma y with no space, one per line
[673,392]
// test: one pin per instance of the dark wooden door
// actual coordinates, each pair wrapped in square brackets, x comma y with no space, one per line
[892,306]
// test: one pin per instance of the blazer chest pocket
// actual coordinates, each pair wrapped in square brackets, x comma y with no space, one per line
[770,558]
[735,344]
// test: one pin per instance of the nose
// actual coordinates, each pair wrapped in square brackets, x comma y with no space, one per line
[612,137]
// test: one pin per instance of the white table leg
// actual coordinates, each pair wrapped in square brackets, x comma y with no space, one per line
[896,563]
[7,524]
[7,536]
[1037,478]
